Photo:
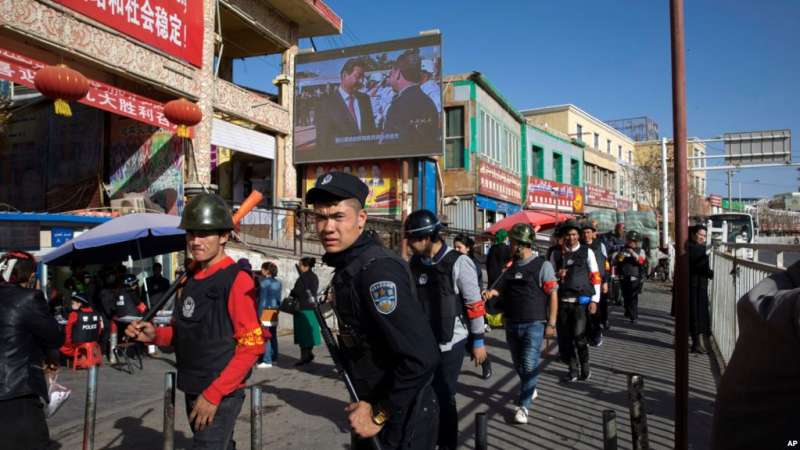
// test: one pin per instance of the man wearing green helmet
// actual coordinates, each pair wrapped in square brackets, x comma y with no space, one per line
[215,330]
[530,304]
[629,262]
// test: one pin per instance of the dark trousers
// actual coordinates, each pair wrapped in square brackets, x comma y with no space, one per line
[22,424]
[596,322]
[219,434]
[444,384]
[572,342]
[416,430]
[630,295]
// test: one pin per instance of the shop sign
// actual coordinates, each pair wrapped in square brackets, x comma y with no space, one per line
[597,196]
[624,205]
[495,205]
[715,200]
[21,70]
[498,183]
[382,177]
[546,194]
[172,26]
[60,235]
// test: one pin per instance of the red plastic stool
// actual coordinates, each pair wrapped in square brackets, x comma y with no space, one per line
[87,355]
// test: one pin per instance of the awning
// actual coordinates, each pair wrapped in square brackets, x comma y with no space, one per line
[241,139]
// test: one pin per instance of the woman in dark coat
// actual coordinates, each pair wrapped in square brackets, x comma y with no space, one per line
[699,274]
[306,327]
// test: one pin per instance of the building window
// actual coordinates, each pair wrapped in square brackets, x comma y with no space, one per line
[596,141]
[579,132]
[619,152]
[537,161]
[558,168]
[454,139]
[608,146]
[574,172]
[630,156]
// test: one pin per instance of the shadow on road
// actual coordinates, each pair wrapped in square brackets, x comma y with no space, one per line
[134,435]
[311,404]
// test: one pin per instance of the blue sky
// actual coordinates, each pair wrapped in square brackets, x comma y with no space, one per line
[611,58]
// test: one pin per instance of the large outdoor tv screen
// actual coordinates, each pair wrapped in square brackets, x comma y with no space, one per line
[372,101]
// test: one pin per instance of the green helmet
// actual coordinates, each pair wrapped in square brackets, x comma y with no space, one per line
[522,233]
[500,236]
[206,212]
[632,236]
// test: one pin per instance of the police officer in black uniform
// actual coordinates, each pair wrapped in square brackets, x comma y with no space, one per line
[630,262]
[614,242]
[597,322]
[389,348]
[87,325]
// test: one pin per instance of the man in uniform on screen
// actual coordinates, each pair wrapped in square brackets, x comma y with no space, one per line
[412,114]
[346,113]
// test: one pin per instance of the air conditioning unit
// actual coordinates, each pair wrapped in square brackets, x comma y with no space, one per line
[129,205]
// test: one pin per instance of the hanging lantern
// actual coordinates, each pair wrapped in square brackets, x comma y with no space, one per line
[61,84]
[184,114]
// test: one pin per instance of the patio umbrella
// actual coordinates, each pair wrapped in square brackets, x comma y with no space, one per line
[135,235]
[534,218]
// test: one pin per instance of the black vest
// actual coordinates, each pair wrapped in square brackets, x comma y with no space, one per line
[203,334]
[87,327]
[124,304]
[367,354]
[597,248]
[436,291]
[524,299]
[629,266]
[577,282]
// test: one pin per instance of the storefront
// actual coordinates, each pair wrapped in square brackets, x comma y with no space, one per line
[242,160]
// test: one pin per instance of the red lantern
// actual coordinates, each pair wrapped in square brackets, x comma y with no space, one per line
[184,114]
[61,84]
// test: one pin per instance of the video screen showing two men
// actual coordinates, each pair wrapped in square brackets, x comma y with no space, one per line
[374,101]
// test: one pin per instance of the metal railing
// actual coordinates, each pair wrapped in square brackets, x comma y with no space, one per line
[737,269]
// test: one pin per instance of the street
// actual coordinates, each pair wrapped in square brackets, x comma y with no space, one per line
[304,409]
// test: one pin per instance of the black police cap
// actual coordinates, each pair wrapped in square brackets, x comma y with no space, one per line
[337,186]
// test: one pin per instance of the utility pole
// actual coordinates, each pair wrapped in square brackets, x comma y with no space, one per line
[730,189]
[680,293]
[664,196]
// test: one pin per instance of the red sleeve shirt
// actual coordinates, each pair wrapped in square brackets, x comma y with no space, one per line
[69,349]
[246,330]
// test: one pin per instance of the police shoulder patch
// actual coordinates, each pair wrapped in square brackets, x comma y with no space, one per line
[384,296]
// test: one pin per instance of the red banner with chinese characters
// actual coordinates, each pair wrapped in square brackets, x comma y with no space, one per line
[172,26]
[597,196]
[546,194]
[498,183]
[21,70]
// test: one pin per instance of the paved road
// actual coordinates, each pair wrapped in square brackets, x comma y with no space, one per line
[304,409]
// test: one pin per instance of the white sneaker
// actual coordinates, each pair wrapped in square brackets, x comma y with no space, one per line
[521,416]
[264,365]
[535,394]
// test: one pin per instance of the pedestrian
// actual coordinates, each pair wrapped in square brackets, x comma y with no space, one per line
[29,336]
[83,324]
[306,327]
[530,304]
[447,287]
[630,263]
[269,298]
[156,284]
[389,350]
[699,274]
[597,322]
[497,256]
[215,332]
[578,291]
[466,246]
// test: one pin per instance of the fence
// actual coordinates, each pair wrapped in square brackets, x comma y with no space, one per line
[737,269]
[294,230]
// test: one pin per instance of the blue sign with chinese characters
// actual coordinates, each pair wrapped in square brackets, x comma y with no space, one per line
[496,205]
[60,235]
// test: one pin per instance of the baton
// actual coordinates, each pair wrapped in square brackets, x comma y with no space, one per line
[333,349]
